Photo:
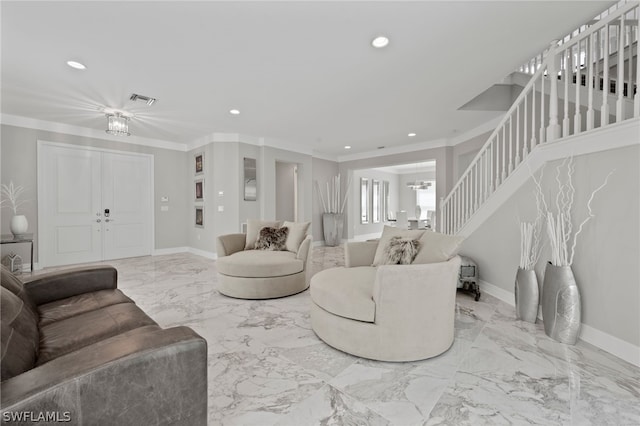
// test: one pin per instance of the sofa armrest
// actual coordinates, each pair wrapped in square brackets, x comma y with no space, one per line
[304,249]
[158,377]
[228,244]
[71,282]
[359,253]
[412,298]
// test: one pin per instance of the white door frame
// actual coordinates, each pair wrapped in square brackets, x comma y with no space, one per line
[41,212]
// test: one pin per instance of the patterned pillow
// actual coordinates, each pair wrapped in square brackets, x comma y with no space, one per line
[273,239]
[400,251]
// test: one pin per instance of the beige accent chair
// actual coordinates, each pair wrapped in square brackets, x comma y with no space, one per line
[246,273]
[386,312]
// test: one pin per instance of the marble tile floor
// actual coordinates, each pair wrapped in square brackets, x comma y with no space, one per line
[267,367]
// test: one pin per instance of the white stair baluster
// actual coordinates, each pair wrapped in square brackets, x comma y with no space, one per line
[525,149]
[533,116]
[620,81]
[630,60]
[504,153]
[517,135]
[568,79]
[604,110]
[591,55]
[542,116]
[577,118]
[510,144]
[636,98]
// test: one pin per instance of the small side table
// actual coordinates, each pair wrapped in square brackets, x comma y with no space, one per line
[24,238]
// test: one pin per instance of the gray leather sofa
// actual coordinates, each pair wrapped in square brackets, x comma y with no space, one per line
[75,348]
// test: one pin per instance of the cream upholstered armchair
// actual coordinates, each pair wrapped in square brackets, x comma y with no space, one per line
[248,273]
[389,312]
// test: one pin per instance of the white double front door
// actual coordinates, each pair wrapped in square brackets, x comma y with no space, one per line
[92,205]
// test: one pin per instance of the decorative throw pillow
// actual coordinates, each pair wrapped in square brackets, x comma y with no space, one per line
[437,247]
[389,232]
[273,239]
[297,233]
[400,251]
[253,229]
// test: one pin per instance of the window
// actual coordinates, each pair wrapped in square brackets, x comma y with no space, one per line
[375,198]
[364,200]
[426,199]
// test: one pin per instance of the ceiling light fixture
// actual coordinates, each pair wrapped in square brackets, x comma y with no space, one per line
[77,65]
[380,42]
[418,184]
[234,111]
[411,135]
[347,147]
[117,124]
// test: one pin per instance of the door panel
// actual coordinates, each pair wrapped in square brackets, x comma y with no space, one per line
[126,193]
[75,187]
[69,231]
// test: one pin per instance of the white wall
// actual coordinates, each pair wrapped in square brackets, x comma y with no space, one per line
[606,263]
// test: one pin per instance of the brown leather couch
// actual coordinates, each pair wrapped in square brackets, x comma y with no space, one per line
[76,349]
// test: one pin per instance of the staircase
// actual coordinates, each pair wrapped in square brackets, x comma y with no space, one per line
[584,83]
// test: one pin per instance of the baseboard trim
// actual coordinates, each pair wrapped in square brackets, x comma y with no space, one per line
[203,253]
[171,250]
[615,346]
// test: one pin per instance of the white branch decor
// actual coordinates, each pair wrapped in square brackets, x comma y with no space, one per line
[335,203]
[559,223]
[530,232]
[11,194]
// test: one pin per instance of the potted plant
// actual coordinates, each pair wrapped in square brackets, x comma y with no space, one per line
[11,195]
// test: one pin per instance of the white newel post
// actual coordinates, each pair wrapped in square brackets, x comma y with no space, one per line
[568,73]
[620,82]
[553,131]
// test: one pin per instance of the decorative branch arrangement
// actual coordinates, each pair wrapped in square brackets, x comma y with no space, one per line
[334,203]
[530,232]
[559,225]
[11,194]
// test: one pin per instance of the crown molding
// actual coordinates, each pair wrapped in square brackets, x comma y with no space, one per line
[50,126]
[418,146]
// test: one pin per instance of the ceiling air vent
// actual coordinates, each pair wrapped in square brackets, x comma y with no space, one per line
[141,98]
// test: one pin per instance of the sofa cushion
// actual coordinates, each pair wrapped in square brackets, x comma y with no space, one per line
[19,340]
[76,305]
[259,264]
[273,239]
[61,337]
[253,229]
[347,292]
[436,247]
[389,232]
[13,284]
[297,234]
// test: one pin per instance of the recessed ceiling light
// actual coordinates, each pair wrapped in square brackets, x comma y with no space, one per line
[380,42]
[411,135]
[347,147]
[76,65]
[234,111]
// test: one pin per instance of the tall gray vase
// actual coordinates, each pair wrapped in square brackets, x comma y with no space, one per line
[561,310]
[332,224]
[527,295]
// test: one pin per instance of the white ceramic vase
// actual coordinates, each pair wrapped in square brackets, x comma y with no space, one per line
[19,225]
[332,225]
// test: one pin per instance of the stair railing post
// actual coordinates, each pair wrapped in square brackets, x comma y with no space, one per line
[553,130]
[620,82]
[504,153]
[568,77]
[591,55]
[542,116]
[636,98]
[517,135]
[604,110]
[510,144]
[577,118]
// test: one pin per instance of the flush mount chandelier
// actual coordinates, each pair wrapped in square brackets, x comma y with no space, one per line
[117,124]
